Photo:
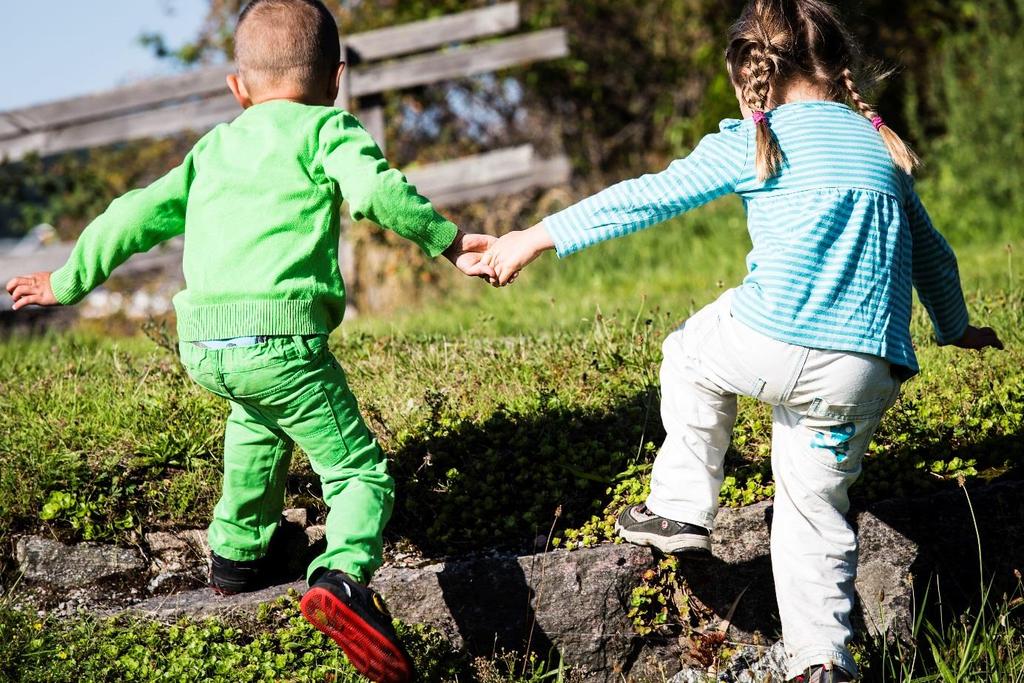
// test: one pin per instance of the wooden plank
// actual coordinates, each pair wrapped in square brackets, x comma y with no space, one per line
[344,99]
[460,63]
[383,43]
[199,83]
[372,118]
[197,115]
[9,128]
[483,168]
[13,149]
[541,173]
[419,36]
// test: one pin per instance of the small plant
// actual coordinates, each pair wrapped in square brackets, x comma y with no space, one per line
[659,601]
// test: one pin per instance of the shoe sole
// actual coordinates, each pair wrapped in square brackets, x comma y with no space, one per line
[368,650]
[680,544]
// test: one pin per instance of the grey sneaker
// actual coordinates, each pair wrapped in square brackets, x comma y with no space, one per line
[824,674]
[640,526]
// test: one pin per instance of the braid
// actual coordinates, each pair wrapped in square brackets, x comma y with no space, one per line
[902,155]
[762,68]
[850,86]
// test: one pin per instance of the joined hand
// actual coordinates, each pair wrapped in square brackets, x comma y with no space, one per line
[467,254]
[516,250]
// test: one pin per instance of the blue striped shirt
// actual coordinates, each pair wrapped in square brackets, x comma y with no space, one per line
[839,236]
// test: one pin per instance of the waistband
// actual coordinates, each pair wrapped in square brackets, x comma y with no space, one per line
[240,342]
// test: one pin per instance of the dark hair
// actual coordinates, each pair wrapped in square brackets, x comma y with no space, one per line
[287,40]
[776,40]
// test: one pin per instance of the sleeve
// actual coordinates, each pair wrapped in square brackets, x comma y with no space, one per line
[377,192]
[713,169]
[132,224]
[936,276]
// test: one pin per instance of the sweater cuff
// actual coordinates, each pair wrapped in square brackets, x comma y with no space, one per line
[67,288]
[439,238]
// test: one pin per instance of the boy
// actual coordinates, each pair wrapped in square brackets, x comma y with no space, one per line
[258,202]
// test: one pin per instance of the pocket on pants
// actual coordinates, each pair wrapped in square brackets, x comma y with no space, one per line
[867,410]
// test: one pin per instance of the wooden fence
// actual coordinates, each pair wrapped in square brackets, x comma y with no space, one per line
[390,59]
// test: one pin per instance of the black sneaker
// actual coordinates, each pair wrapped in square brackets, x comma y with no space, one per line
[230,577]
[824,674]
[639,525]
[357,619]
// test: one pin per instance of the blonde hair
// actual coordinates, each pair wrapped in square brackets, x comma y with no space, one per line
[776,40]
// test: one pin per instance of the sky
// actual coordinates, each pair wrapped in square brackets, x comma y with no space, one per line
[52,49]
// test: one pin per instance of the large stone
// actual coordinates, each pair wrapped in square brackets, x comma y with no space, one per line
[904,544]
[569,603]
[47,562]
[742,566]
[575,603]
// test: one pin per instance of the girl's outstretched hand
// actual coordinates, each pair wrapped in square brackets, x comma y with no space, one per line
[31,289]
[979,338]
[516,250]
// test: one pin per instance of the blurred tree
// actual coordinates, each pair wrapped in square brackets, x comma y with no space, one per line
[645,79]
[643,83]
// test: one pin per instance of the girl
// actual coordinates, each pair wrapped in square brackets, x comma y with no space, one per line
[819,329]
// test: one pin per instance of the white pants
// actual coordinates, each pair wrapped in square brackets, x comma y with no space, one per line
[827,405]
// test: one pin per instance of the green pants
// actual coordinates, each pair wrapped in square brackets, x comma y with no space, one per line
[286,391]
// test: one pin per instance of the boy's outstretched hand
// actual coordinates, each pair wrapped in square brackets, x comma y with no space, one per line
[979,338]
[32,289]
[467,254]
[516,250]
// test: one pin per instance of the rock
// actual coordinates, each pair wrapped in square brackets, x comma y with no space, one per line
[299,516]
[177,551]
[48,562]
[903,545]
[203,602]
[885,588]
[750,664]
[740,543]
[756,665]
[690,675]
[572,603]
[742,562]
[315,534]
[575,603]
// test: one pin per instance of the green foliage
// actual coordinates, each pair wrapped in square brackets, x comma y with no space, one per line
[983,645]
[70,190]
[279,645]
[975,170]
[658,600]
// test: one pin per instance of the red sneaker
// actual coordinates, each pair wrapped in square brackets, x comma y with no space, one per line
[356,618]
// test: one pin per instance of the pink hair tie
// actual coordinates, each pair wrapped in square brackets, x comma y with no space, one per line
[878,122]
[759,118]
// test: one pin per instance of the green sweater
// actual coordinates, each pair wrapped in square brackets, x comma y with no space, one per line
[258,201]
